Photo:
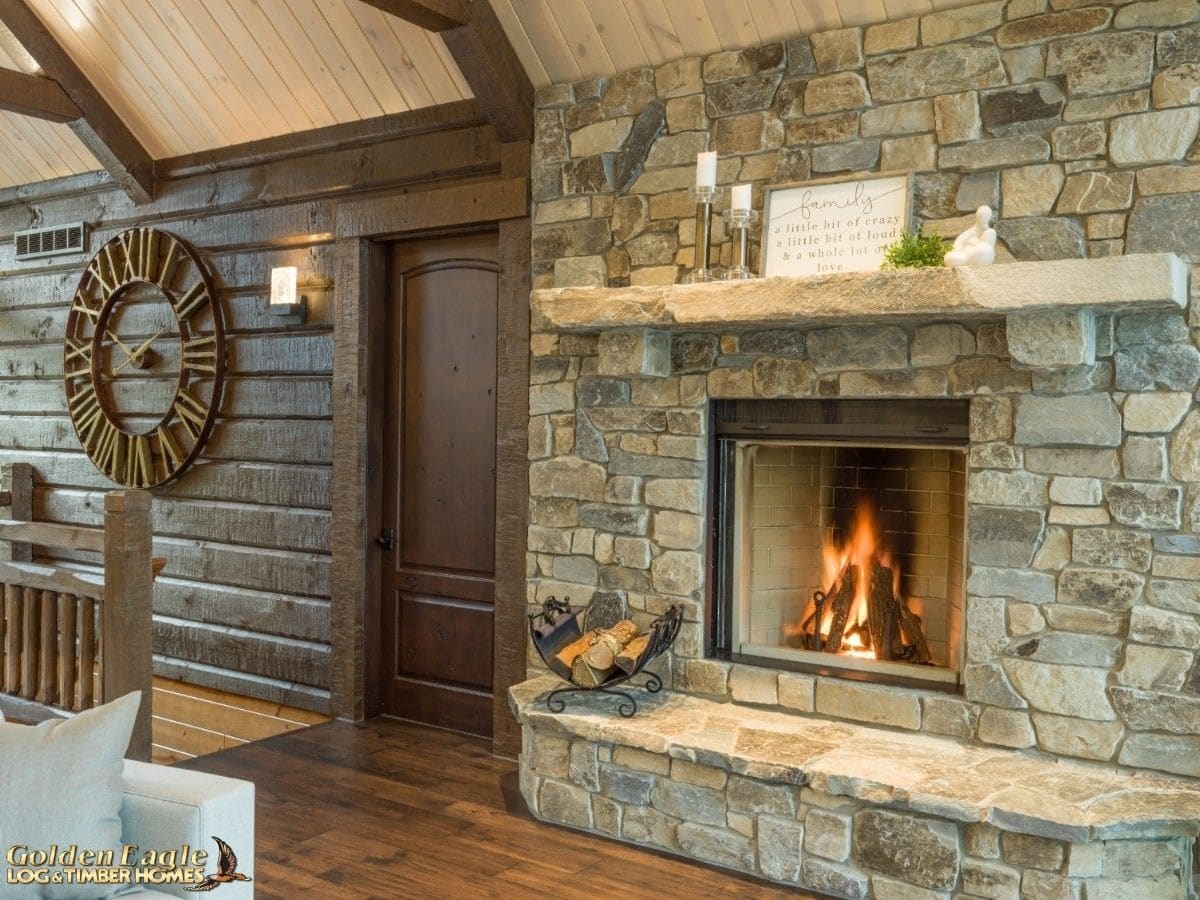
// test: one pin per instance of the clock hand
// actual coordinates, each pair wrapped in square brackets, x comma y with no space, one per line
[119,343]
[137,354]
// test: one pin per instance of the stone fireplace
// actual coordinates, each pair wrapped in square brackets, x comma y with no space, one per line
[1041,747]
[839,536]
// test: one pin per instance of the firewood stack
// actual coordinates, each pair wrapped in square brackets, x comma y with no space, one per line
[598,655]
[894,630]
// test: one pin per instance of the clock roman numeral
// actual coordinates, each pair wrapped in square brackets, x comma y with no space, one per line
[78,350]
[129,243]
[169,451]
[86,411]
[192,412]
[82,304]
[96,269]
[200,355]
[138,471]
[191,302]
[166,274]
[109,453]
[140,246]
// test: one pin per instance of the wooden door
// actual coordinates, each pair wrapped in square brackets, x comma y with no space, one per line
[440,482]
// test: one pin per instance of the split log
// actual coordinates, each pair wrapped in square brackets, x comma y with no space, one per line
[627,661]
[914,634]
[593,667]
[879,598]
[569,653]
[842,601]
[892,632]
[608,645]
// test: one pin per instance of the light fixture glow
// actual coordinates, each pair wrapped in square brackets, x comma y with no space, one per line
[286,301]
[283,286]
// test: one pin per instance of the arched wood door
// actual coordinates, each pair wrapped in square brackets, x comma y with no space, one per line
[440,482]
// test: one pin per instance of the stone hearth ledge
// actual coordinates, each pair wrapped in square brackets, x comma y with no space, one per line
[1137,282]
[1071,801]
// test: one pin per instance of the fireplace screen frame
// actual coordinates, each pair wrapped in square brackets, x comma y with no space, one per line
[886,423]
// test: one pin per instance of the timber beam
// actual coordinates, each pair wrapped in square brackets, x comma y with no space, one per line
[484,55]
[99,127]
[41,98]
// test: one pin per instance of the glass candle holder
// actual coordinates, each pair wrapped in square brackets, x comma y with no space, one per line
[739,222]
[701,270]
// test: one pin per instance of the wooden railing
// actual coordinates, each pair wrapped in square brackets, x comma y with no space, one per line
[71,639]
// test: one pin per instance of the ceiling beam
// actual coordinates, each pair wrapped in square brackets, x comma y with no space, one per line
[432,15]
[100,128]
[476,40]
[38,97]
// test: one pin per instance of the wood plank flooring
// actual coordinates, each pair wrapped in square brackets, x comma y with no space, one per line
[394,810]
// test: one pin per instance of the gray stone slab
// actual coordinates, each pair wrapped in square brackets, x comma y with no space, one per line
[1130,283]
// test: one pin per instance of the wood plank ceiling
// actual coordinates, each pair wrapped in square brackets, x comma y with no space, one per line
[566,40]
[193,75]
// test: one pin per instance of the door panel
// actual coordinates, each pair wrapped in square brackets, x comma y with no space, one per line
[440,482]
[466,659]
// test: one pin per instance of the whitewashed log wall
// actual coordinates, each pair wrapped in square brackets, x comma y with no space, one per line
[243,604]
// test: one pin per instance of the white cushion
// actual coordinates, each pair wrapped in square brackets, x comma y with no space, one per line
[167,807]
[60,783]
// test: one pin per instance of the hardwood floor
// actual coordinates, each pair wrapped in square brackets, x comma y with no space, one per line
[389,809]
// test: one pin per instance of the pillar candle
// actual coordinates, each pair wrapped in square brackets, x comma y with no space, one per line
[706,169]
[741,197]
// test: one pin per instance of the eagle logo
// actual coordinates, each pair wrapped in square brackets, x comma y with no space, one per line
[226,870]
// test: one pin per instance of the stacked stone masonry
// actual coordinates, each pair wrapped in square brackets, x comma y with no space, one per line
[1083,596]
[1078,122]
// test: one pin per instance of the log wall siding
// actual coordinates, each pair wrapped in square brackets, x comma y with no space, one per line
[244,602]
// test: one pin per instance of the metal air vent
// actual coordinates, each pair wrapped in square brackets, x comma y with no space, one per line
[55,241]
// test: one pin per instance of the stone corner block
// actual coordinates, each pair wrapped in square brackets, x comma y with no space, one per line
[1052,339]
[637,352]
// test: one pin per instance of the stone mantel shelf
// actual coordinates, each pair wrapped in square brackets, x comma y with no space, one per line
[1137,282]
[1022,792]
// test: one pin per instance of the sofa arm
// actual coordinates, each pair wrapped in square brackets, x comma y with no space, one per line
[164,807]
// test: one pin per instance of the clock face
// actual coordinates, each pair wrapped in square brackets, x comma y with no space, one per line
[144,358]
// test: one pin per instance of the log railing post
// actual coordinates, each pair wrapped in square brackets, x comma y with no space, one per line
[16,502]
[127,609]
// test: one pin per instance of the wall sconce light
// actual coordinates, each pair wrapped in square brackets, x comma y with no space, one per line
[285,299]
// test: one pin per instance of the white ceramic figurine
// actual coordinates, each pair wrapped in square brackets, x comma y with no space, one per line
[977,245]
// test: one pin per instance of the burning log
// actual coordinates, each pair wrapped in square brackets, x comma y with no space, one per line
[879,602]
[914,634]
[843,600]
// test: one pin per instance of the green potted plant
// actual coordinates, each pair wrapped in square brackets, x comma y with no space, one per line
[915,250]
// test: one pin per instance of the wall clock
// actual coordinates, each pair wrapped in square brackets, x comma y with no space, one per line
[144,358]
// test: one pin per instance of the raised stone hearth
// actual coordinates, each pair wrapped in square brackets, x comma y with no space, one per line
[851,810]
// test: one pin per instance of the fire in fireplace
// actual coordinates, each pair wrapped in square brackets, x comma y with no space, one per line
[840,536]
[862,612]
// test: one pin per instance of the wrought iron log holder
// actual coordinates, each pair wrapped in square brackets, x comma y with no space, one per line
[558,624]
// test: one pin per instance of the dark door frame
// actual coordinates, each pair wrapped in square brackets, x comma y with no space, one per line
[362,229]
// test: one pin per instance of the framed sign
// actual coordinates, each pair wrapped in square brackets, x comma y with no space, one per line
[835,225]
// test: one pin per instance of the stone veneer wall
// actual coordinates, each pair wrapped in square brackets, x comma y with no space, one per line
[1083,596]
[1077,122]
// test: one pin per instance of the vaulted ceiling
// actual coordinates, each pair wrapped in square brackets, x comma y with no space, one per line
[187,76]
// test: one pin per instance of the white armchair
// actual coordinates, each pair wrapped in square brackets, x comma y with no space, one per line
[166,807]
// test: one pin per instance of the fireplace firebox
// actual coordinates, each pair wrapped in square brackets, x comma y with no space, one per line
[839,536]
